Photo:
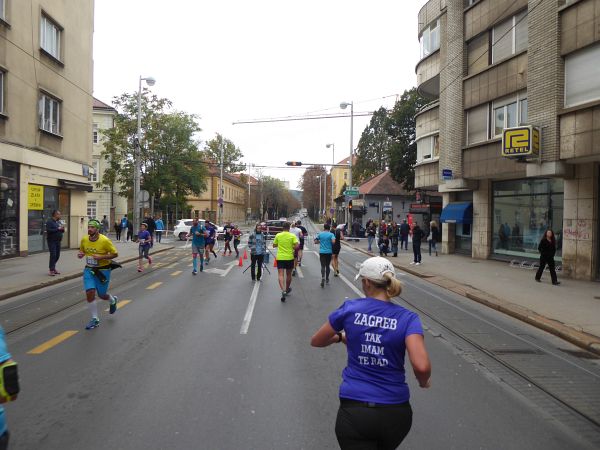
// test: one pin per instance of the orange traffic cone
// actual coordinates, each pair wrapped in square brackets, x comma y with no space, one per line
[245,254]
[240,263]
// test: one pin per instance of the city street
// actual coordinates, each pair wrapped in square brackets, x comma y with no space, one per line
[215,361]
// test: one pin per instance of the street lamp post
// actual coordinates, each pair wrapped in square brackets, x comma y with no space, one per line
[221,199]
[320,198]
[136,157]
[344,105]
[331,173]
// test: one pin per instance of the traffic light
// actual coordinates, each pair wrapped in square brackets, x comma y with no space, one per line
[350,205]
[293,163]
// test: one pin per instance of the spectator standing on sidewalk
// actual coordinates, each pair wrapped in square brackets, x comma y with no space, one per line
[117,228]
[547,249]
[105,226]
[375,409]
[124,227]
[151,226]
[394,237]
[54,235]
[404,231]
[160,226]
[371,232]
[129,230]
[257,244]
[417,237]
[433,237]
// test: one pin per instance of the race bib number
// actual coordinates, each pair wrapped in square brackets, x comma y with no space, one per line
[90,261]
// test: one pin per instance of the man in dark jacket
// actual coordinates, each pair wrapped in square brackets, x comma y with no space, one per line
[54,234]
[151,226]
[404,230]
[417,237]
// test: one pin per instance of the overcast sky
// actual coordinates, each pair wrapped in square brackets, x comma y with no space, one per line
[235,60]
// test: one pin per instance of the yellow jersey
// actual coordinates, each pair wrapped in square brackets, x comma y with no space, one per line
[102,246]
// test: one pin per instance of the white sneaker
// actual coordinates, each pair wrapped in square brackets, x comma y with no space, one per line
[418,264]
[412,262]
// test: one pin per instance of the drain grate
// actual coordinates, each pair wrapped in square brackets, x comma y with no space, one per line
[515,351]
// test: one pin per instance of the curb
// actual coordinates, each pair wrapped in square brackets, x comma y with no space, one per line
[67,277]
[581,339]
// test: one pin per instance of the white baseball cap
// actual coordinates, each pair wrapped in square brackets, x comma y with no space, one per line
[375,268]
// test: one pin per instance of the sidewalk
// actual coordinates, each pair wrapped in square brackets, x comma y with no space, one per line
[20,275]
[570,311]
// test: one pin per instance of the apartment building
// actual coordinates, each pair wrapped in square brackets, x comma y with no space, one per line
[104,200]
[45,120]
[511,137]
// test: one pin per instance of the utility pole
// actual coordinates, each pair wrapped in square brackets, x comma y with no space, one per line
[221,199]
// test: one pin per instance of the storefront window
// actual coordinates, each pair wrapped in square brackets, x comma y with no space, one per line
[523,211]
[9,209]
[53,198]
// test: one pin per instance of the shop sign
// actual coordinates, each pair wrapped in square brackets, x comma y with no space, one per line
[446,174]
[35,197]
[520,141]
[387,205]
[419,206]
[358,202]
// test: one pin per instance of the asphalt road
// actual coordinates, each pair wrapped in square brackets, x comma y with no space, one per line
[215,361]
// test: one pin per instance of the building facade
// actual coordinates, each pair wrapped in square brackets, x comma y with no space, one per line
[103,200]
[45,120]
[205,206]
[528,67]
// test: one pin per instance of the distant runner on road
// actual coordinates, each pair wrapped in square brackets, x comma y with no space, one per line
[302,238]
[98,251]
[326,240]
[198,234]
[286,243]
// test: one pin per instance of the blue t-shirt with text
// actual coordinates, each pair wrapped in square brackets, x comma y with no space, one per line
[144,236]
[326,240]
[198,241]
[375,332]
[4,356]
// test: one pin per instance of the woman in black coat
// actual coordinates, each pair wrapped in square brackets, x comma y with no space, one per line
[547,249]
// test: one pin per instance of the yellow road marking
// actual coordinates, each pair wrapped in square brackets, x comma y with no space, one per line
[121,303]
[154,285]
[177,272]
[157,265]
[190,265]
[52,342]
[170,266]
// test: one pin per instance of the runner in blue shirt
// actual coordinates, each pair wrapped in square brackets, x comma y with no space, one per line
[326,239]
[198,234]
[374,407]
[210,240]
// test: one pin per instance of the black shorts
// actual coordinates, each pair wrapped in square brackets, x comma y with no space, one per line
[336,250]
[287,264]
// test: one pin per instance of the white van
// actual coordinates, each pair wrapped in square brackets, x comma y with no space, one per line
[183,227]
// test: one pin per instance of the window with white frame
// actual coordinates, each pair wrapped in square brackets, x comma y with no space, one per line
[49,114]
[430,39]
[477,124]
[582,76]
[2,76]
[509,112]
[93,176]
[428,148]
[95,133]
[50,36]
[91,209]
[509,37]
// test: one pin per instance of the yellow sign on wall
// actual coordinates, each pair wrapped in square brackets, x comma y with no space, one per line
[35,197]
[520,141]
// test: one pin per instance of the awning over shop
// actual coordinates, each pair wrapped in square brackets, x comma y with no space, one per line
[76,185]
[457,213]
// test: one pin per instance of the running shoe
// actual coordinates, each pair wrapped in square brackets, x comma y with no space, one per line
[201,268]
[412,262]
[417,264]
[322,282]
[51,273]
[335,274]
[56,272]
[149,260]
[140,269]
[294,272]
[283,296]
[113,304]
[327,280]
[194,272]
[94,323]
[288,290]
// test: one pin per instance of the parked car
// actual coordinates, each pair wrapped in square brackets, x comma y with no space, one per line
[273,227]
[183,227]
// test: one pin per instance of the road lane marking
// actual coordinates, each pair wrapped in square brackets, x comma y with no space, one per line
[154,285]
[299,272]
[52,342]
[177,272]
[250,309]
[170,266]
[120,304]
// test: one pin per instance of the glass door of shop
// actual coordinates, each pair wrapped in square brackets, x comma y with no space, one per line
[9,209]
[54,198]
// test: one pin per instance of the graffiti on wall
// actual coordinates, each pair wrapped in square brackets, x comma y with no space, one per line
[579,230]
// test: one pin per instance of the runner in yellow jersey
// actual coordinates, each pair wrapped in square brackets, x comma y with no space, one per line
[286,243]
[98,251]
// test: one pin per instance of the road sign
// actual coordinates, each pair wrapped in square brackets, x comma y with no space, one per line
[351,192]
[447,174]
[144,196]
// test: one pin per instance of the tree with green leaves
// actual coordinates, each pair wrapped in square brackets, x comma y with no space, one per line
[232,155]
[402,131]
[373,148]
[311,186]
[171,164]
